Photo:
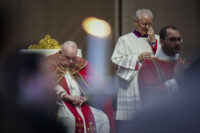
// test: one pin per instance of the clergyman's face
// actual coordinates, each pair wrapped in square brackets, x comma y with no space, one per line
[143,25]
[171,44]
[69,57]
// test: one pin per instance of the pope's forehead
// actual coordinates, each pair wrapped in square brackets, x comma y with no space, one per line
[68,50]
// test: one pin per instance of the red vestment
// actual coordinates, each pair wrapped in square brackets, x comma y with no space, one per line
[81,73]
[150,85]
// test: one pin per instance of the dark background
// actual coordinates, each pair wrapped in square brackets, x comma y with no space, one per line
[31,20]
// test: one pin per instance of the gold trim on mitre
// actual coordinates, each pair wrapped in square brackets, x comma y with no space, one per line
[46,43]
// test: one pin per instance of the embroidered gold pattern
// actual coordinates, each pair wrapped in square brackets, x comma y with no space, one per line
[82,65]
[46,43]
[79,125]
[91,129]
[62,70]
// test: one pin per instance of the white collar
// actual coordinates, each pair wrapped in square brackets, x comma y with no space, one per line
[161,55]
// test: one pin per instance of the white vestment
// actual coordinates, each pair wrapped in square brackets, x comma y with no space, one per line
[66,117]
[125,56]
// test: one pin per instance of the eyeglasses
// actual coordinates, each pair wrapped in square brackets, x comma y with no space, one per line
[174,39]
[146,24]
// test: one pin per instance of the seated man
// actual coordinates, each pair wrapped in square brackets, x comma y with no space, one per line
[157,75]
[74,110]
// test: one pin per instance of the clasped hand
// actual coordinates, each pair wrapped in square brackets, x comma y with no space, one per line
[76,100]
[143,56]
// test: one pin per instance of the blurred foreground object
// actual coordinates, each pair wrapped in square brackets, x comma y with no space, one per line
[98,44]
[27,95]
[96,27]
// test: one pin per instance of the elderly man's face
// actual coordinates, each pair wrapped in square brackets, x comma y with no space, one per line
[143,24]
[68,57]
[171,44]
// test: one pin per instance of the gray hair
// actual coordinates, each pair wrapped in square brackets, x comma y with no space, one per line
[69,44]
[139,12]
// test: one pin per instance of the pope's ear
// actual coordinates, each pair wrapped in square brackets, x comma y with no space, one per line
[60,51]
[135,21]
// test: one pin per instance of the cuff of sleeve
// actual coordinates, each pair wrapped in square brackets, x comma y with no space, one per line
[137,65]
[62,95]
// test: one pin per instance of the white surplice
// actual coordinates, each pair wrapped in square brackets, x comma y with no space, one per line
[66,117]
[125,55]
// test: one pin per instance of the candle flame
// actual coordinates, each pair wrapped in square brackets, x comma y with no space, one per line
[96,27]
